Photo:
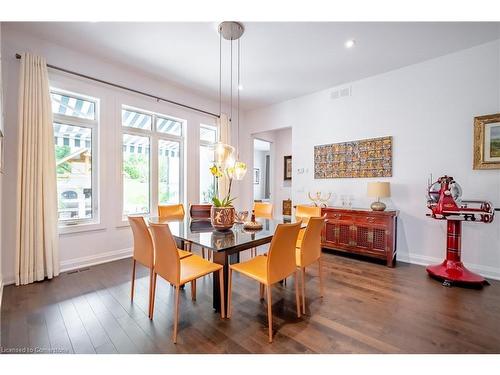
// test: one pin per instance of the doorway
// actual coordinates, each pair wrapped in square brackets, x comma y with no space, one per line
[261,170]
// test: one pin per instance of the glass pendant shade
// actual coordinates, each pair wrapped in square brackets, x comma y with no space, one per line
[223,154]
[240,169]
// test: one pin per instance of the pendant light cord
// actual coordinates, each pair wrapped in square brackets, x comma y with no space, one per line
[220,73]
[238,105]
[231,83]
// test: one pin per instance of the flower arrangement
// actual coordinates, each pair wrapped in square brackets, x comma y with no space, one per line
[218,172]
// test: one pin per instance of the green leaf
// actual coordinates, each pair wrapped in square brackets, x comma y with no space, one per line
[216,202]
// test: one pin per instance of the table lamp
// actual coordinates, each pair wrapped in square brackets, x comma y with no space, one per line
[379,190]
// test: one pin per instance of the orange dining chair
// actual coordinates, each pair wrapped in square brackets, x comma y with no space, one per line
[303,212]
[174,212]
[268,270]
[144,252]
[309,252]
[170,267]
[171,211]
[264,211]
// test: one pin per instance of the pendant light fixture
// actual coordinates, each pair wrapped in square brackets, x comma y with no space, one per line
[225,153]
[240,168]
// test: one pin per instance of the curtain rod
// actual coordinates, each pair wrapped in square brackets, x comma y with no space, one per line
[18,56]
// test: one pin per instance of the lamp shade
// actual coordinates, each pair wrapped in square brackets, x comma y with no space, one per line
[379,189]
[240,169]
[223,154]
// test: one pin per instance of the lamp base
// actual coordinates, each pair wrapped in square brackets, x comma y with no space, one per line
[378,206]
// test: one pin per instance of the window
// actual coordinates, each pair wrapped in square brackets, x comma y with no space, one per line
[149,137]
[74,121]
[136,169]
[169,169]
[72,106]
[208,137]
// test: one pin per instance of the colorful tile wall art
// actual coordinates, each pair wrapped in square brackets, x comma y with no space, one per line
[362,158]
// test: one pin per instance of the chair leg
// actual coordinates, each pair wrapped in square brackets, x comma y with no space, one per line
[297,299]
[203,252]
[270,313]
[229,290]
[133,281]
[303,291]
[320,270]
[153,295]
[262,290]
[151,277]
[221,291]
[193,290]
[176,314]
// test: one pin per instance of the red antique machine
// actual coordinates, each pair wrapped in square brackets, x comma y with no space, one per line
[444,200]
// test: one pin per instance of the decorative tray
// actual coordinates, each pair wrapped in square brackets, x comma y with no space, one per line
[253,225]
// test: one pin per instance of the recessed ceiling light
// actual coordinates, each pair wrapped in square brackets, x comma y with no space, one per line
[350,43]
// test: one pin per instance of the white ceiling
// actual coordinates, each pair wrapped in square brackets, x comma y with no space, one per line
[280,60]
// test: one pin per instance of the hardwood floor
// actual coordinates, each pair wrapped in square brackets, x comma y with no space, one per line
[367,308]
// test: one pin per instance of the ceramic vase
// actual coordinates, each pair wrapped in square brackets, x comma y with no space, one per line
[222,218]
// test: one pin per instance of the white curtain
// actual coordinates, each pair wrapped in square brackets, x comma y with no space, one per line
[37,253]
[224,137]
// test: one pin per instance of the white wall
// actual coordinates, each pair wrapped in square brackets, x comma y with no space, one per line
[109,239]
[428,108]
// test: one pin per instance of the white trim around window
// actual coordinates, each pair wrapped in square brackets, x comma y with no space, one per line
[93,223]
[205,143]
[155,137]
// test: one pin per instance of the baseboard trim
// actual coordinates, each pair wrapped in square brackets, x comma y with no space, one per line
[88,261]
[94,260]
[424,260]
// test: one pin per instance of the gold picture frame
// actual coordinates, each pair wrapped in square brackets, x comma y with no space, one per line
[487,142]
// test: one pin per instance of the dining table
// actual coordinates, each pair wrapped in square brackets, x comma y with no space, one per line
[226,245]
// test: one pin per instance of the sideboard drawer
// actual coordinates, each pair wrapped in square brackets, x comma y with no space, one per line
[373,219]
[339,216]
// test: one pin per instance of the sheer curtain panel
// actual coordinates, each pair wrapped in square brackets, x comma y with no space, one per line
[37,253]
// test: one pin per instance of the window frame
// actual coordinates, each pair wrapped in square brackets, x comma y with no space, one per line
[154,139]
[93,125]
[204,143]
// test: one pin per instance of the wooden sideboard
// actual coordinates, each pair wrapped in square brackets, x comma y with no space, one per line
[360,231]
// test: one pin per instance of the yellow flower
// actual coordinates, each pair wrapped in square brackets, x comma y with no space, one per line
[216,171]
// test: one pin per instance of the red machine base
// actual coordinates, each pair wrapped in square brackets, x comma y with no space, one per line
[456,272]
[452,270]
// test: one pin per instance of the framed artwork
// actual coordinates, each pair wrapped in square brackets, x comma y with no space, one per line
[361,158]
[287,167]
[487,142]
[256,176]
